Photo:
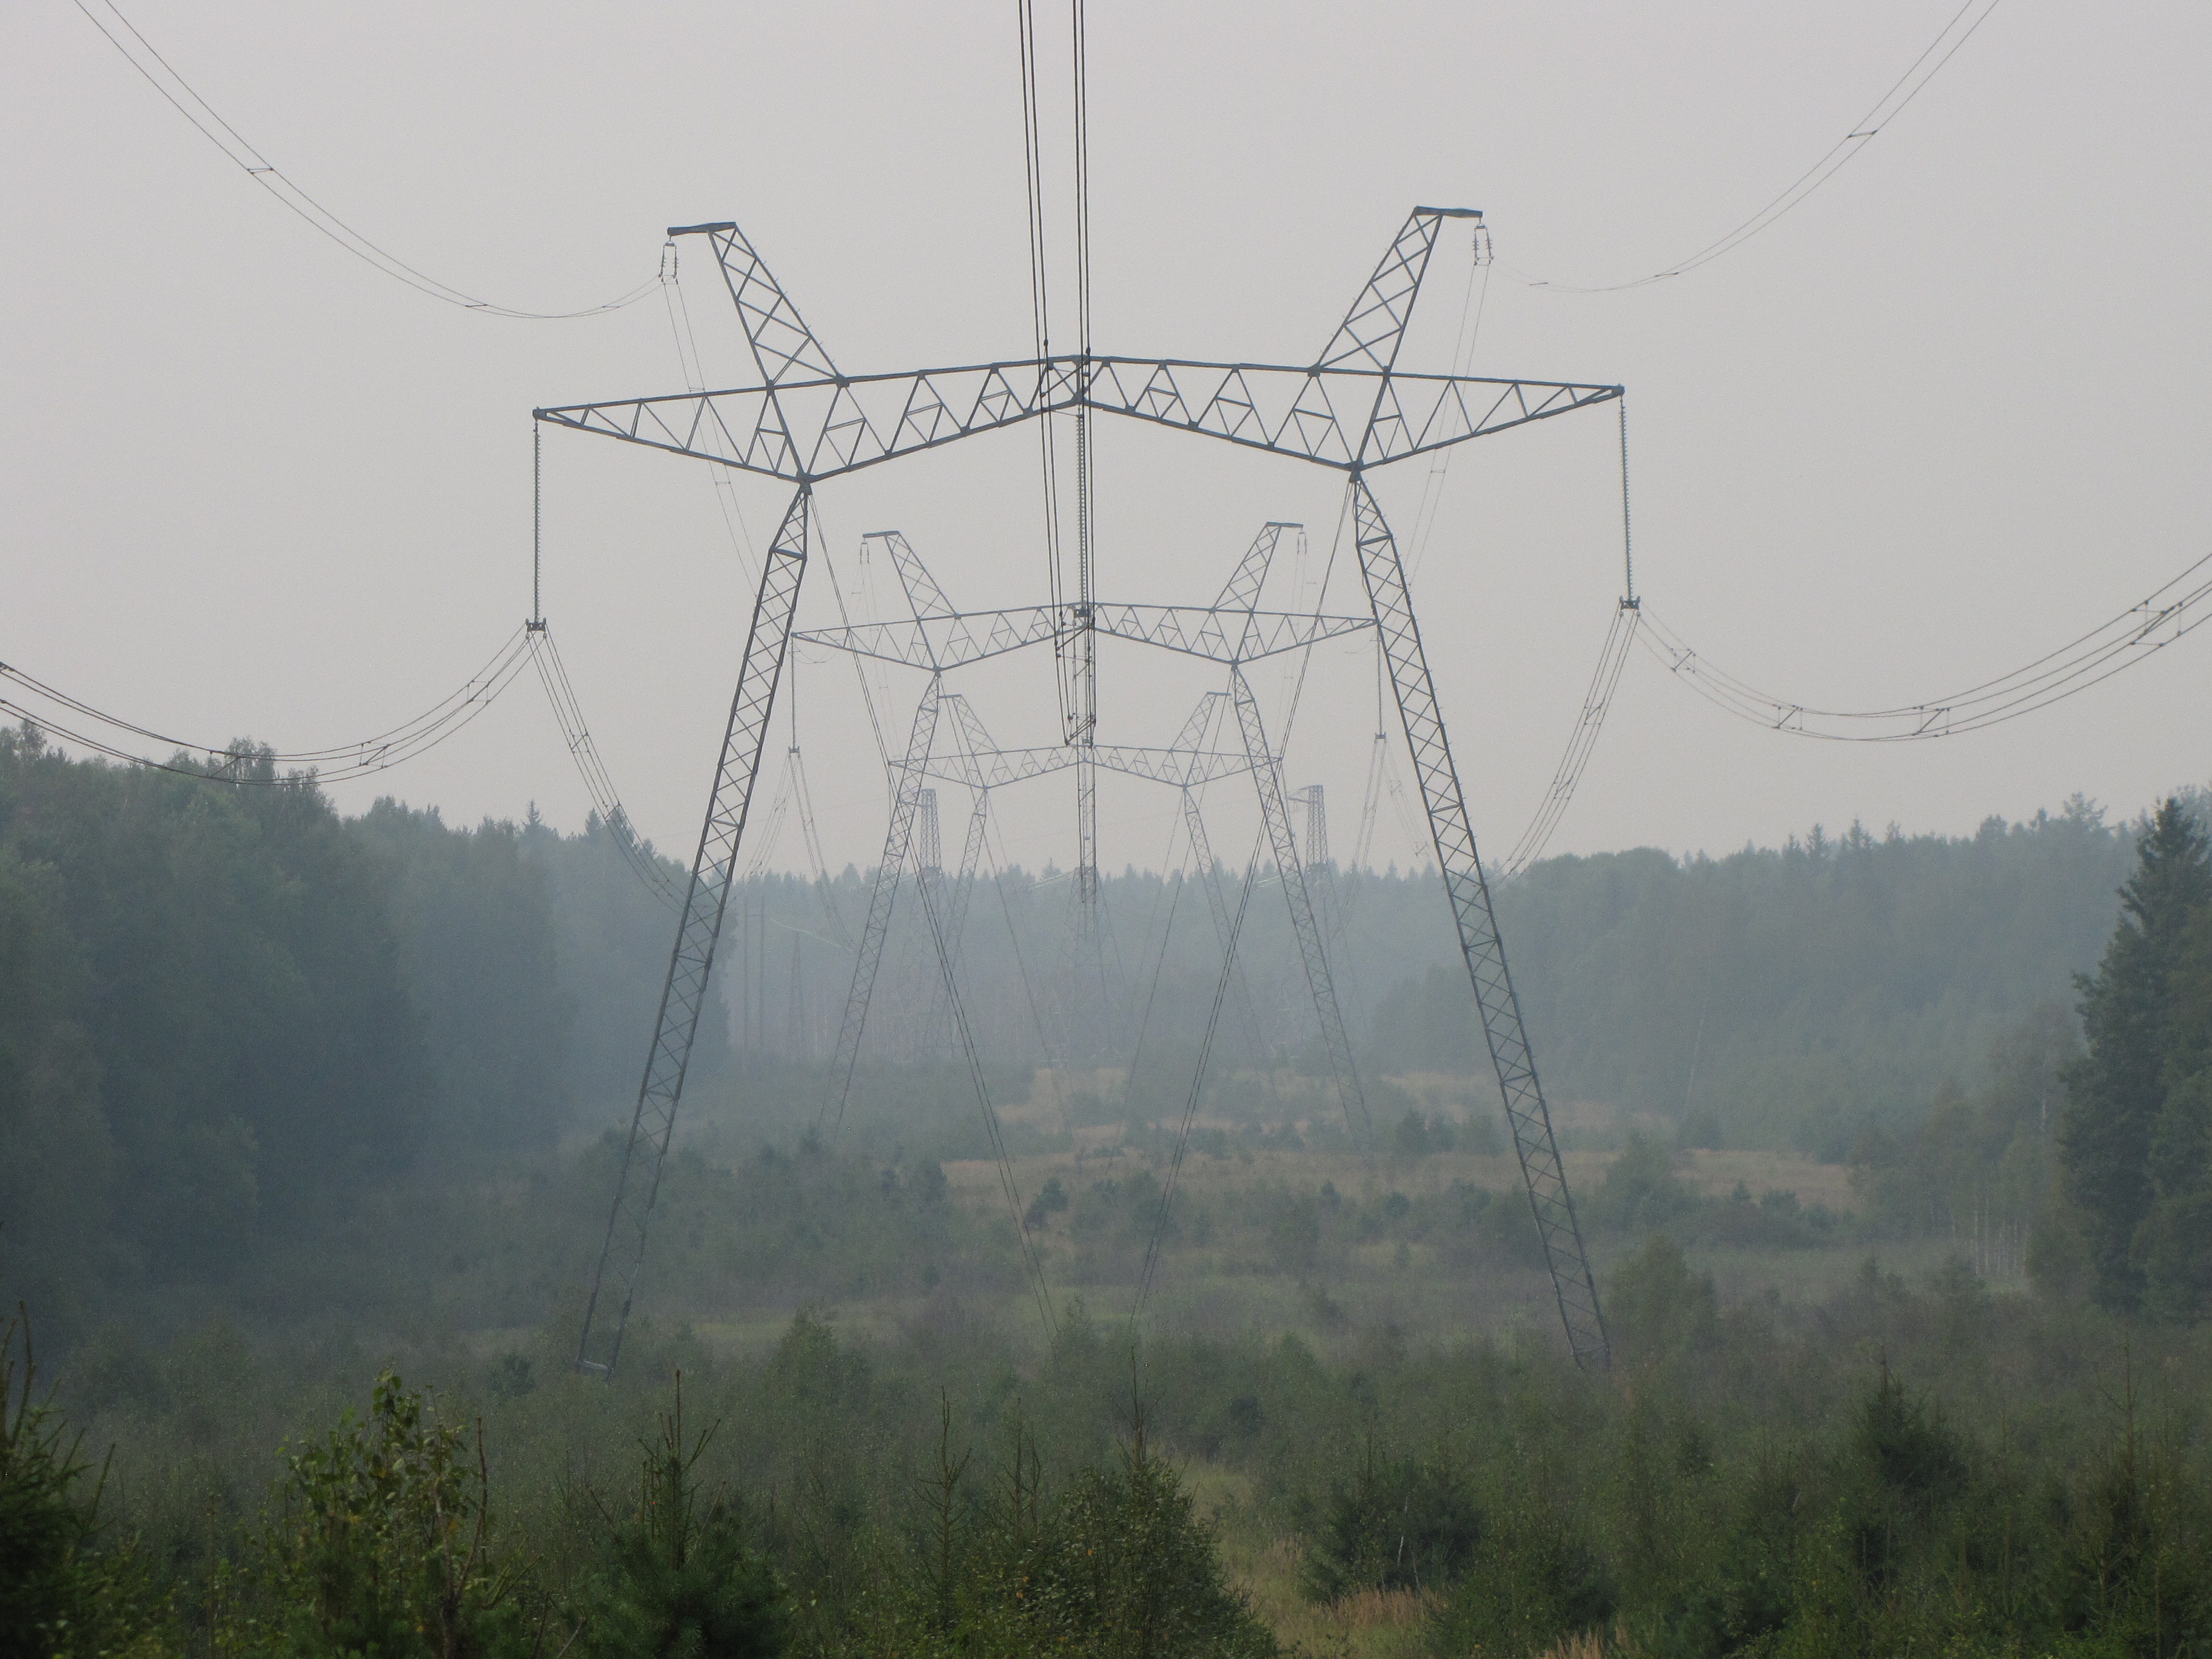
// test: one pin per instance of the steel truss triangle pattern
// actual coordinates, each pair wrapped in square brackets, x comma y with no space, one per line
[693,958]
[952,642]
[883,895]
[1484,952]
[1233,632]
[1313,953]
[812,430]
[1351,409]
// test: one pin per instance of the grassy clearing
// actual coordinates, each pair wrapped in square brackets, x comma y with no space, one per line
[1711,1173]
[1385,1253]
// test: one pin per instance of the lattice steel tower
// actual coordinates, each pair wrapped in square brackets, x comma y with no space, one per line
[1350,409]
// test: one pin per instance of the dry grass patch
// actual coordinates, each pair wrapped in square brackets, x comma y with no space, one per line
[1714,1174]
[1372,1624]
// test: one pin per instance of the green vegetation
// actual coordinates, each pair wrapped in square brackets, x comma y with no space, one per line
[1907,1269]
[2137,1131]
[1883,1470]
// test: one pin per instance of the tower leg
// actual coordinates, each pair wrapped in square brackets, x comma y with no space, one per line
[905,800]
[1268,778]
[688,963]
[1217,903]
[1086,844]
[963,887]
[1449,824]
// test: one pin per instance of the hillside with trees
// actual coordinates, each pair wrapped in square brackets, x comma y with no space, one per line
[293,1105]
[232,1015]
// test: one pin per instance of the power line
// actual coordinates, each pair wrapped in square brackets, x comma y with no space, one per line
[1838,155]
[164,79]
[1041,332]
[553,674]
[2169,613]
[1597,701]
[334,764]
[692,364]
[1480,260]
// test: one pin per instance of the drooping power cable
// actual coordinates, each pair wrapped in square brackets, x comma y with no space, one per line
[561,693]
[335,764]
[1838,155]
[2168,614]
[1597,701]
[140,53]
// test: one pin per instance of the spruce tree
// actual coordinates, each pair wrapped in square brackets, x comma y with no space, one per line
[2117,1091]
[2173,1246]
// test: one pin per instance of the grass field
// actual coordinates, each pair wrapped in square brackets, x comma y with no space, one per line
[1383,1255]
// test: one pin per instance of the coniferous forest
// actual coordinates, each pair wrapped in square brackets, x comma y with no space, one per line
[1894,1153]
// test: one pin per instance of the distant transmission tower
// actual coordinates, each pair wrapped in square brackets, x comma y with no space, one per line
[1349,409]
[1316,807]
[928,852]
[1232,631]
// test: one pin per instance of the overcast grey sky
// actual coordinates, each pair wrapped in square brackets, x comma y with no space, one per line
[1937,420]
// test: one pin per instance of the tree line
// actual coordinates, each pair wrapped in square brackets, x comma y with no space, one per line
[230,1016]
[226,1013]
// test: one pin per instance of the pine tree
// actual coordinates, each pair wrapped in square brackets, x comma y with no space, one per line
[2115,1093]
[2173,1246]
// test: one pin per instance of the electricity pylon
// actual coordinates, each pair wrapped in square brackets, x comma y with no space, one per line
[1351,408]
[1233,631]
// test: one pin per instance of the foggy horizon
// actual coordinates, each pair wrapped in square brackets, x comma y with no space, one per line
[1861,474]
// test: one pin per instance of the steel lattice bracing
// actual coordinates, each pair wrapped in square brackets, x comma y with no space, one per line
[1312,951]
[954,640]
[811,430]
[783,346]
[1225,932]
[999,767]
[964,888]
[929,846]
[693,958]
[1372,330]
[1315,802]
[1525,1110]
[1351,410]
[969,736]
[906,801]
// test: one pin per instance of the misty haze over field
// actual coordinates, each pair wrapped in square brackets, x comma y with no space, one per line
[1764,1209]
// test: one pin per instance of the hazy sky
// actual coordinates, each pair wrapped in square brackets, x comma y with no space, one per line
[1937,421]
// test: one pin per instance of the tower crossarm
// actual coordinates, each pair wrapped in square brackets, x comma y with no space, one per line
[1350,408]
[1336,418]
[1197,631]
[993,768]
[938,643]
[812,429]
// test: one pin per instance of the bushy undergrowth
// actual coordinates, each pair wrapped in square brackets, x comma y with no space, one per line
[1895,1469]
